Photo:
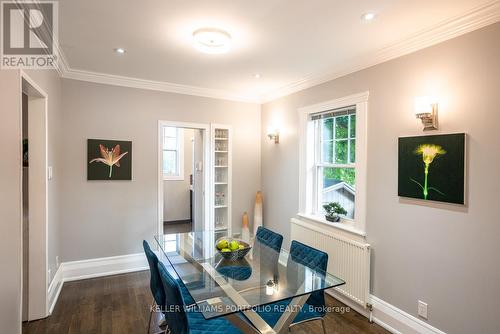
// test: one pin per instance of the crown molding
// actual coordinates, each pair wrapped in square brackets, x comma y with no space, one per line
[123,81]
[477,18]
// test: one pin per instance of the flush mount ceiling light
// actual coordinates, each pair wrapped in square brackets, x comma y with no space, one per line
[120,51]
[212,40]
[368,16]
[256,76]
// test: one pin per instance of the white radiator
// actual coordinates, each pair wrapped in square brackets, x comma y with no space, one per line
[347,259]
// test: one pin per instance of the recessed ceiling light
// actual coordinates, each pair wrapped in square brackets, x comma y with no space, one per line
[120,50]
[211,40]
[368,16]
[256,76]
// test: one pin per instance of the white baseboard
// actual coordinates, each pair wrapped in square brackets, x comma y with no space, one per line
[391,317]
[106,266]
[388,316]
[91,268]
[55,289]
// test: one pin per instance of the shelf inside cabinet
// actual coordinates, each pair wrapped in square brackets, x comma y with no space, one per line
[221,233]
[221,169]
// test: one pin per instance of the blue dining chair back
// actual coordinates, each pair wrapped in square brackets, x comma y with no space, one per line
[155,280]
[184,321]
[314,308]
[269,238]
[175,314]
[314,259]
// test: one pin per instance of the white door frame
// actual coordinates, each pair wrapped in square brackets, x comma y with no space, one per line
[38,306]
[206,167]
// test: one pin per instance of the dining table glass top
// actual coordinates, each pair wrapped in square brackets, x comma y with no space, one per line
[221,287]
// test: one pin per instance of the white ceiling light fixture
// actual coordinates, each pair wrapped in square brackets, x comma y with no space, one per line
[120,51]
[212,40]
[256,76]
[368,16]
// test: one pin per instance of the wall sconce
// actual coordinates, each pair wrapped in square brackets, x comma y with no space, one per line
[274,135]
[426,109]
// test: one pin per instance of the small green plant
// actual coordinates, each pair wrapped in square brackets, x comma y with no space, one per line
[333,210]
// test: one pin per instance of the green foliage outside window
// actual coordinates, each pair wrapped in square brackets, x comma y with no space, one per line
[338,140]
[341,127]
[341,151]
[328,129]
[347,175]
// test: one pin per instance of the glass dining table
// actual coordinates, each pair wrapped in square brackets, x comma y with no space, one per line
[226,288]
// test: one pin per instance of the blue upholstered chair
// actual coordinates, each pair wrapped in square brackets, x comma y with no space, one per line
[317,260]
[182,321]
[314,308]
[155,283]
[269,238]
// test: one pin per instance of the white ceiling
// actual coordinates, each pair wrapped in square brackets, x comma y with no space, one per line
[288,42]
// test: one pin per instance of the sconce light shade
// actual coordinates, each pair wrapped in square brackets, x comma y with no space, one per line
[274,135]
[426,109]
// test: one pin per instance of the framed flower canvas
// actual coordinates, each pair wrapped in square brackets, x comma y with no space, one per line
[432,168]
[109,159]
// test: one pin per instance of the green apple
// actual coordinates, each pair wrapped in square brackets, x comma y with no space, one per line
[234,245]
[225,250]
[222,244]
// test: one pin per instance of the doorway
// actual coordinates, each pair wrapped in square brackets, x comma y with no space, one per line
[183,177]
[35,276]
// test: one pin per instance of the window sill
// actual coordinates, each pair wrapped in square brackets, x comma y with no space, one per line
[345,225]
[173,178]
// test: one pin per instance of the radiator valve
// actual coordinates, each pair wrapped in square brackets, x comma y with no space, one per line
[369,306]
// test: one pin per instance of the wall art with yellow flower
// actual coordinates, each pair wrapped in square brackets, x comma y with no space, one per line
[432,167]
[109,159]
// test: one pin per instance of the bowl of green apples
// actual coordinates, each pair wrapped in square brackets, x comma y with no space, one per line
[231,248]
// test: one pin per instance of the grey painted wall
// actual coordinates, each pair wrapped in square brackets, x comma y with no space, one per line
[176,192]
[108,218]
[444,255]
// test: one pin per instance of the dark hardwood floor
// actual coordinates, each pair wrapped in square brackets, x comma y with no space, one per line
[120,304]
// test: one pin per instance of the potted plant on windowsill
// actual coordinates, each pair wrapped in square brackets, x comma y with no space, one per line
[333,211]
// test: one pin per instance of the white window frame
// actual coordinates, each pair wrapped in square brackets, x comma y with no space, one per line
[307,163]
[318,159]
[179,176]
